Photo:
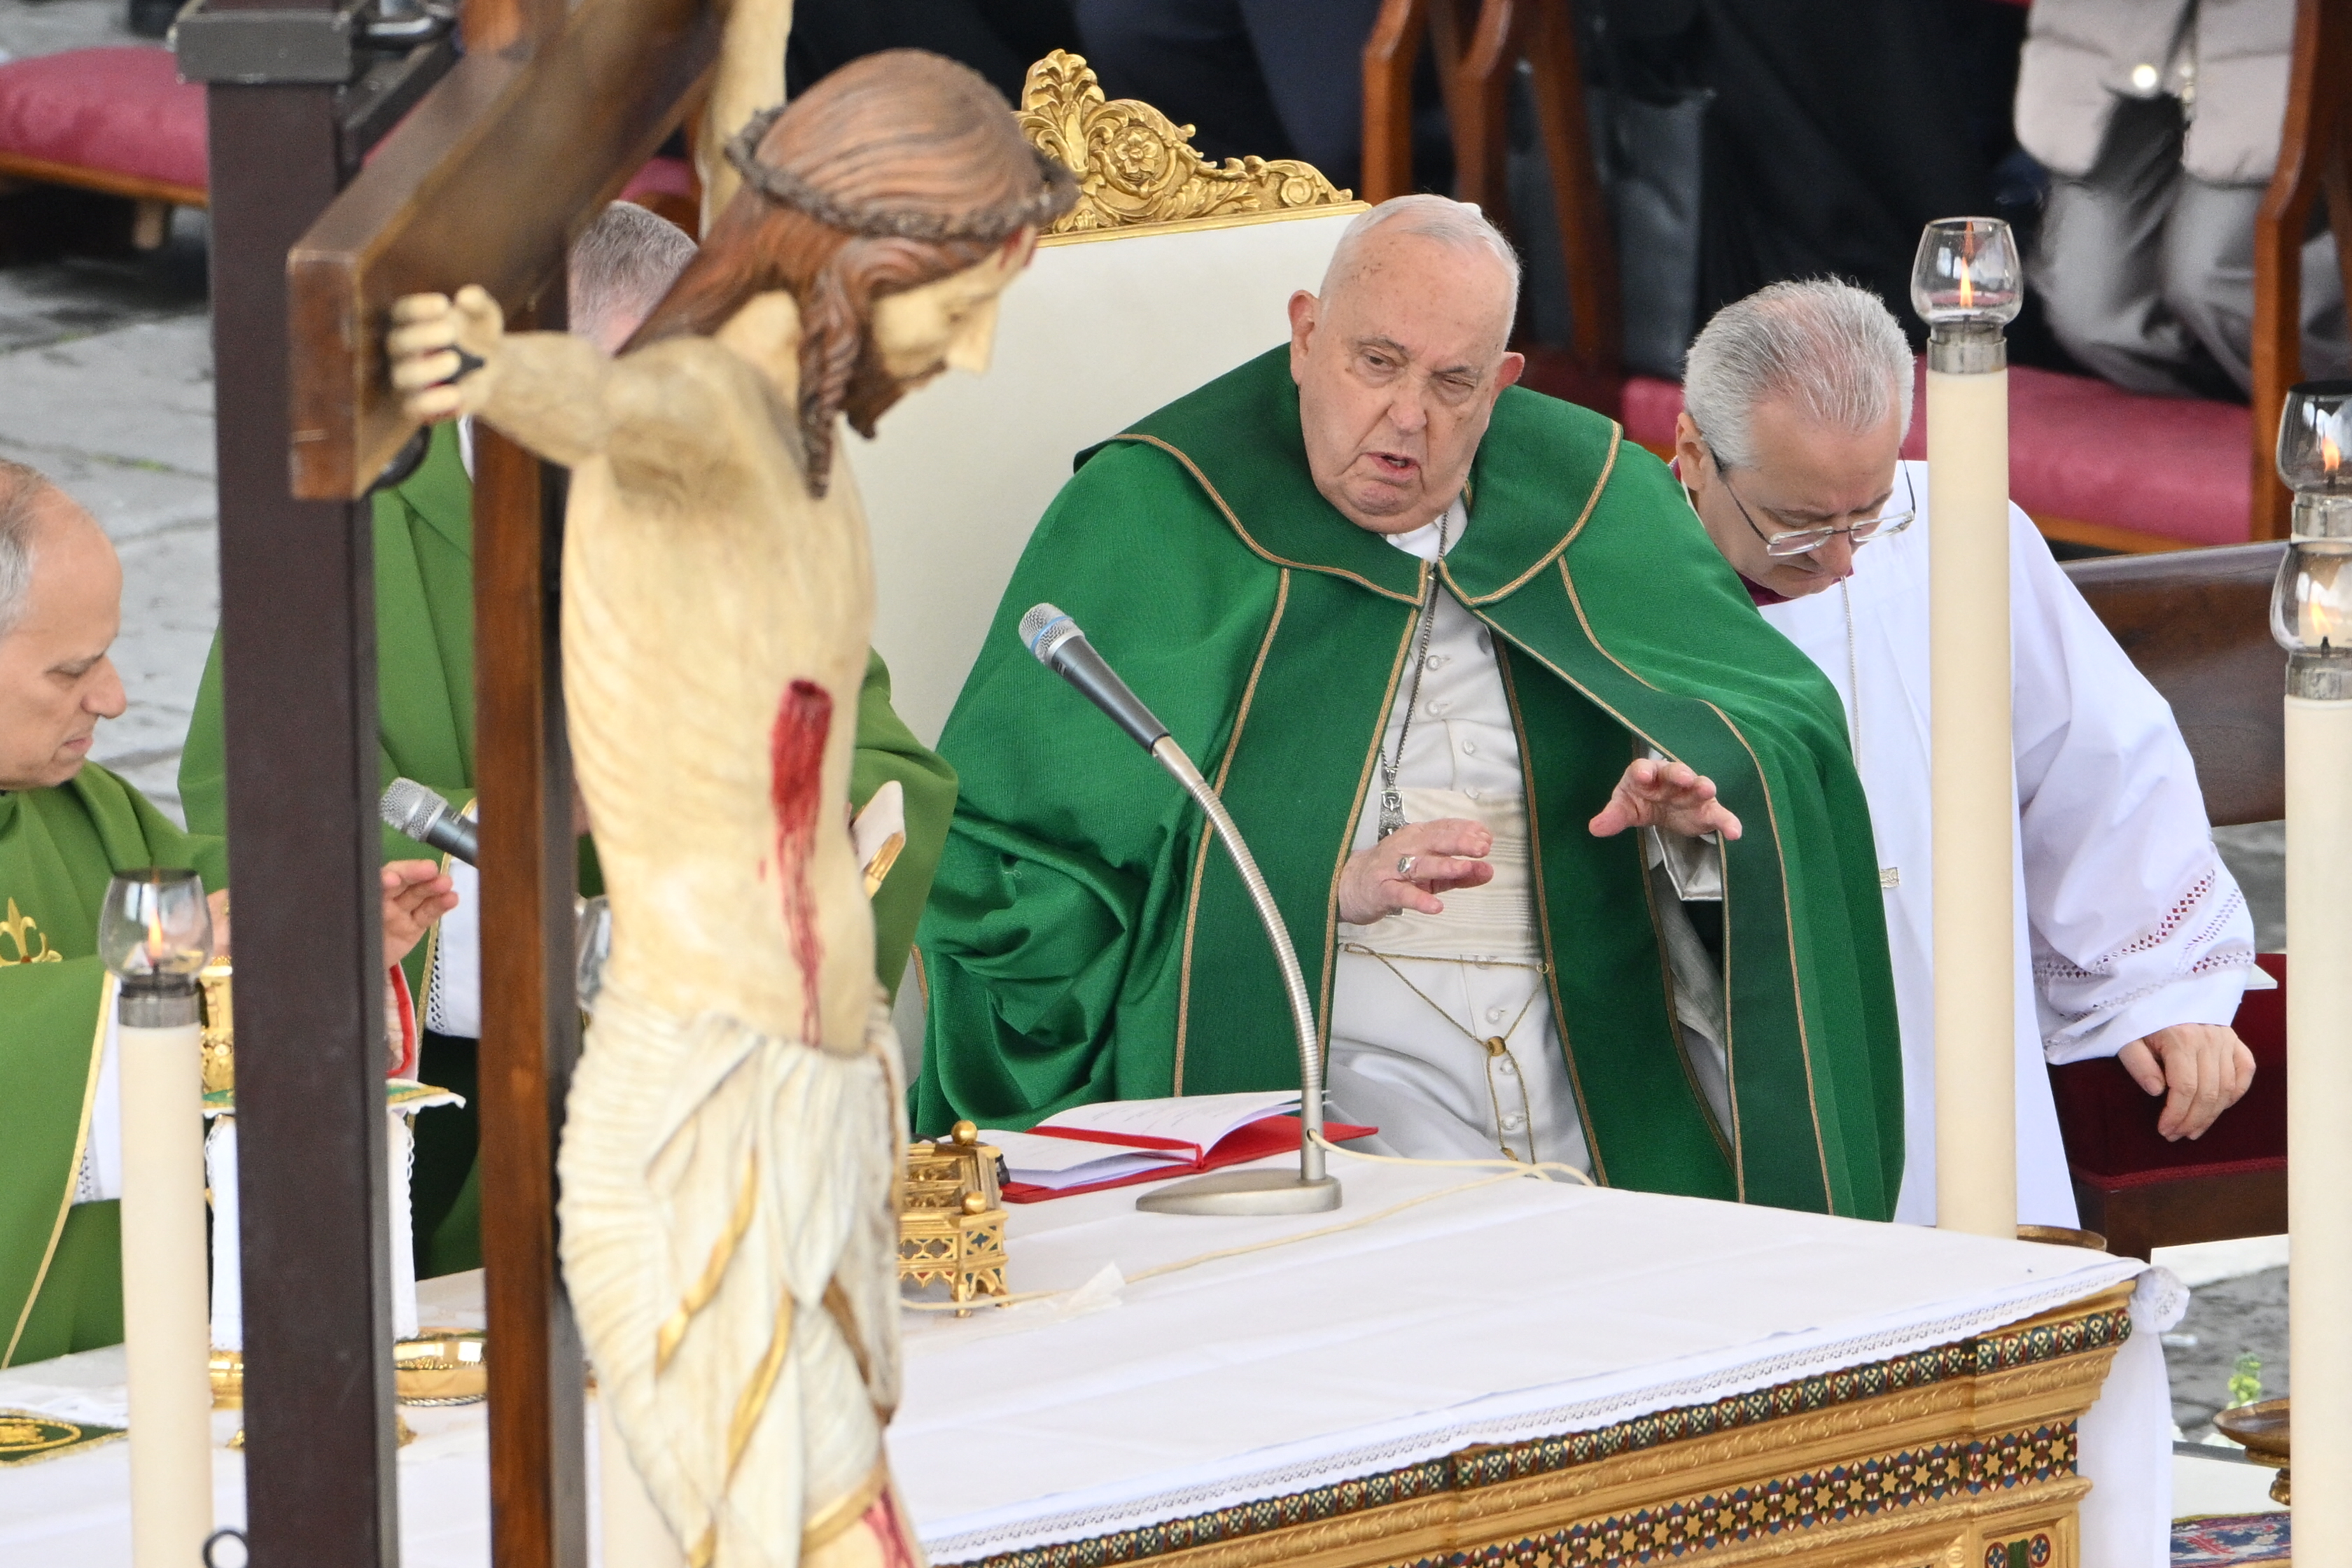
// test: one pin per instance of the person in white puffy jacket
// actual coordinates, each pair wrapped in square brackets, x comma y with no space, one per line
[2159,123]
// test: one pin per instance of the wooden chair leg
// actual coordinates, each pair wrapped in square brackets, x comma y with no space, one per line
[1389,55]
[1482,125]
[2314,153]
[1588,239]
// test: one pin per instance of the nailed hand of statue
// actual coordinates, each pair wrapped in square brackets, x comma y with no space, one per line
[1655,794]
[443,352]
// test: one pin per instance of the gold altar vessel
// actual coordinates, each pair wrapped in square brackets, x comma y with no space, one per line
[952,1218]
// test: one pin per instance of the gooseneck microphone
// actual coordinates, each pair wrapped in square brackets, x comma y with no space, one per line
[1063,649]
[411,808]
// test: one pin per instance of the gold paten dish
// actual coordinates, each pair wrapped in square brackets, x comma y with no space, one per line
[441,1366]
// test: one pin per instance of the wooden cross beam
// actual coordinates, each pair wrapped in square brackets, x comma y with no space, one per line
[491,180]
[488,182]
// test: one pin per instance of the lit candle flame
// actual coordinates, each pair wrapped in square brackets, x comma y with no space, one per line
[2331,455]
[157,949]
[1967,289]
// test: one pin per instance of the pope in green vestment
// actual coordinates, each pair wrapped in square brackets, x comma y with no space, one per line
[62,1262]
[1084,943]
[424,681]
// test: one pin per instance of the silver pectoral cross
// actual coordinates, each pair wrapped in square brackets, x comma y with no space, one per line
[1391,811]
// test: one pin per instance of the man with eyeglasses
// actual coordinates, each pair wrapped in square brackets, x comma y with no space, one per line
[2133,939]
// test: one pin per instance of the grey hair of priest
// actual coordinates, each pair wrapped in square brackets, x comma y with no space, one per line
[21,489]
[1459,224]
[621,267]
[1833,349]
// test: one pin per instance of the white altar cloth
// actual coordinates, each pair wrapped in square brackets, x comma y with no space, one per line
[1516,1310]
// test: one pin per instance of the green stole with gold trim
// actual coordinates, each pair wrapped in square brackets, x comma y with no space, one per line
[61,1265]
[1084,942]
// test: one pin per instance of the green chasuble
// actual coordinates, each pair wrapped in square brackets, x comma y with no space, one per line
[61,1263]
[1084,943]
[425,684]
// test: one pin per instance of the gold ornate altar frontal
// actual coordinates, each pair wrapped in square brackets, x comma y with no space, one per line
[952,1218]
[1962,1456]
[1137,167]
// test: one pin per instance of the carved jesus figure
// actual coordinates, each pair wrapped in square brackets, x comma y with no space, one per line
[735,1126]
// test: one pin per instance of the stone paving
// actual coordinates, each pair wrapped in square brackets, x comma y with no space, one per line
[106,384]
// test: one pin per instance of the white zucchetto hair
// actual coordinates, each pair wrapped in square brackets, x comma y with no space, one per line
[21,489]
[1459,224]
[1833,348]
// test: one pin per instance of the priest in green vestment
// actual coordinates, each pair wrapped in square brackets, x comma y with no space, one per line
[619,270]
[1439,642]
[67,826]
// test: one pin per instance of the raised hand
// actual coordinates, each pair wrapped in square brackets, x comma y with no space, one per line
[415,894]
[432,336]
[1655,793]
[1443,855]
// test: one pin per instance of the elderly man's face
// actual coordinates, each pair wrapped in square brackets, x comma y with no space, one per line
[56,680]
[1398,368]
[1805,476]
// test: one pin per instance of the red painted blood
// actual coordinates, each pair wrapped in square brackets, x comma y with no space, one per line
[796,768]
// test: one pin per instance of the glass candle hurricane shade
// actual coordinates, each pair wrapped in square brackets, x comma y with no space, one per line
[2311,606]
[1967,272]
[2315,438]
[156,926]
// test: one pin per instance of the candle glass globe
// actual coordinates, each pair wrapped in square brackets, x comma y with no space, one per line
[155,927]
[1967,272]
[2315,438]
[2311,606]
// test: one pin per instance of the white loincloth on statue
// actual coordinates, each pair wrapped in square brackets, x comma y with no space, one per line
[722,1181]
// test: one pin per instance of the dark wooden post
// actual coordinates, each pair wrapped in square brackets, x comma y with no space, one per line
[531,1021]
[298,628]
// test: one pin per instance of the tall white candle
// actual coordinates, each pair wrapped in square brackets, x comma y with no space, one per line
[165,1337]
[2318,1114]
[1975,804]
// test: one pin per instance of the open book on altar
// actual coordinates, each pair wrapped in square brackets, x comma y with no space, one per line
[1122,1141]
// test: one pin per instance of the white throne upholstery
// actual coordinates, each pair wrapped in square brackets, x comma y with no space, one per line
[1107,325]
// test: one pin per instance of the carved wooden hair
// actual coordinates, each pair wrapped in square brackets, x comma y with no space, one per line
[901,131]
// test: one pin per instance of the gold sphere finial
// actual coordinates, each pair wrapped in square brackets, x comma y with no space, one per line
[975,1203]
[965,1134]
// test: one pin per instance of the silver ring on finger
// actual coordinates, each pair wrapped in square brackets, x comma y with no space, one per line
[1405,863]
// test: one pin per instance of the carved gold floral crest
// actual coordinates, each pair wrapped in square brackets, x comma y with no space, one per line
[1137,166]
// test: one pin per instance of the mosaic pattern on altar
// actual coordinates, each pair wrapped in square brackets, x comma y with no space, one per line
[1795,1503]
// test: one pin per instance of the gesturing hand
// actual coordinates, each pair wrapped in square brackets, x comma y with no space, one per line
[1447,854]
[1664,795]
[415,894]
[429,333]
[2205,1067]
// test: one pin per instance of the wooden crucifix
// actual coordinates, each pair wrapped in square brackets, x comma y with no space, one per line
[499,166]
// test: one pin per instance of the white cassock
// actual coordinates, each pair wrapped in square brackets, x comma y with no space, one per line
[2127,920]
[1442,1029]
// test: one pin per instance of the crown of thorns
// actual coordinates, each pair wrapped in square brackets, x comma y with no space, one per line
[1056,195]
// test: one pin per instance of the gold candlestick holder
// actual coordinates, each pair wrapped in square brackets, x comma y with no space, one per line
[952,1218]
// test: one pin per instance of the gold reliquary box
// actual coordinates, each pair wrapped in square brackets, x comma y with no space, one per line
[952,1218]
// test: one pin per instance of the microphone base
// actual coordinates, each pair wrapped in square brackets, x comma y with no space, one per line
[1244,1193]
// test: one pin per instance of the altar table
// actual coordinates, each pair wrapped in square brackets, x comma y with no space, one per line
[1448,1370]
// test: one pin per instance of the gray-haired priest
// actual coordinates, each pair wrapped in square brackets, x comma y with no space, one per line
[1407,615]
[2133,939]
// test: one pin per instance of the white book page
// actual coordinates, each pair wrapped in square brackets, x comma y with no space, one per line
[1202,1119]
